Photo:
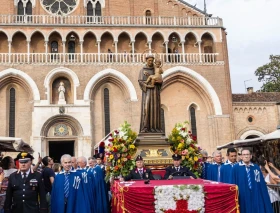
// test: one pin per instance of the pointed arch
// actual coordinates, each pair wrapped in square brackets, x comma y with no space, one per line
[202,82]
[107,72]
[37,31]
[72,31]
[194,34]
[109,32]
[7,34]
[178,34]
[55,31]
[18,31]
[125,32]
[144,33]
[90,31]
[210,33]
[25,77]
[161,33]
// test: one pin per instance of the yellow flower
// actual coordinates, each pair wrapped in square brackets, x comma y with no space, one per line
[111,157]
[119,161]
[195,158]
[190,159]
[131,146]
[181,146]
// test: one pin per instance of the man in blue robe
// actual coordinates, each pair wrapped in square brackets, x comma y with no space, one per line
[67,193]
[226,168]
[205,164]
[101,191]
[87,182]
[213,171]
[253,194]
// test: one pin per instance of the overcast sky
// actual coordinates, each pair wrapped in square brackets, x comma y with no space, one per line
[253,28]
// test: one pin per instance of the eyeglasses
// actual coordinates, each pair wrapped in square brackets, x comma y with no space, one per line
[246,154]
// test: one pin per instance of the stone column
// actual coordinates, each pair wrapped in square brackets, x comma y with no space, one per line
[166,50]
[116,51]
[10,50]
[199,50]
[28,51]
[98,46]
[82,51]
[183,50]
[46,51]
[150,46]
[133,51]
[63,50]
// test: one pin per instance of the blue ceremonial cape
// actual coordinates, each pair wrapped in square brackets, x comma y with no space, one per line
[212,172]
[101,191]
[88,187]
[255,200]
[204,170]
[226,172]
[76,202]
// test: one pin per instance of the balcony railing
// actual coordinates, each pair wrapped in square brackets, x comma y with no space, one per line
[104,58]
[109,20]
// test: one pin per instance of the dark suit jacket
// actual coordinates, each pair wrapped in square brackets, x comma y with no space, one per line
[22,196]
[171,170]
[134,174]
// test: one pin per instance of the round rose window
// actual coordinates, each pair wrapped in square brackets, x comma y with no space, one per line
[59,7]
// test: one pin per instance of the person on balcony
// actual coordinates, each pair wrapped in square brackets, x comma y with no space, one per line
[253,194]
[214,170]
[140,172]
[177,169]
[226,169]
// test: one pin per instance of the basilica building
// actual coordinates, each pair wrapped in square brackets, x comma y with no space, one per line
[69,73]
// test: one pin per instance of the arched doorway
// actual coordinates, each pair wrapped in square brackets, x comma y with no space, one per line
[61,136]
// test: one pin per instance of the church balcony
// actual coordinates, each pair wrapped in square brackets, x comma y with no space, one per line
[139,21]
[106,58]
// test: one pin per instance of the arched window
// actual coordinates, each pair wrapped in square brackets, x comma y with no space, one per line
[20,11]
[29,10]
[193,121]
[89,11]
[12,112]
[54,49]
[106,111]
[162,120]
[71,49]
[148,15]
[98,9]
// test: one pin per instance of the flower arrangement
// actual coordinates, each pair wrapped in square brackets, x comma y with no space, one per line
[119,152]
[179,199]
[182,142]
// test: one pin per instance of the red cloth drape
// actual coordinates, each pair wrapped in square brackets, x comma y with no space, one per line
[139,197]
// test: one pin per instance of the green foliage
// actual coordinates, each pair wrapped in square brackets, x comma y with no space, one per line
[120,151]
[182,142]
[269,74]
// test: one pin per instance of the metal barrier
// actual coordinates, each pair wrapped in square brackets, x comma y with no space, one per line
[274,194]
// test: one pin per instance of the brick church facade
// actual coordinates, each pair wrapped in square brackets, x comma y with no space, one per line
[96,48]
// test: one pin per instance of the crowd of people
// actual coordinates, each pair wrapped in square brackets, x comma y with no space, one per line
[78,185]
[75,185]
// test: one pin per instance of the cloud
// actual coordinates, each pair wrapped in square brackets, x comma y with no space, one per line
[253,29]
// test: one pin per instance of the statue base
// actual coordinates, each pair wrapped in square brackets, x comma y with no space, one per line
[155,149]
[60,102]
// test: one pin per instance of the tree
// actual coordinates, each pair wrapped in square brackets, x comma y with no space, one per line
[269,74]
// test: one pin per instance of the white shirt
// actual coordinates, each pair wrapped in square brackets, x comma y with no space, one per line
[27,173]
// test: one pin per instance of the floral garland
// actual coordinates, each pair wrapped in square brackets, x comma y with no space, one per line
[119,152]
[182,142]
[179,199]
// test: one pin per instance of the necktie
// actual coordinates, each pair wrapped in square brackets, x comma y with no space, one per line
[249,177]
[66,185]
[177,168]
[219,174]
[24,177]
[141,173]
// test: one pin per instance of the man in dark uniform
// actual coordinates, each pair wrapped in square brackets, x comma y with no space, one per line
[140,172]
[177,169]
[25,188]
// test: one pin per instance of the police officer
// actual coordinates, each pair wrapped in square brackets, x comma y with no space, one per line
[24,188]
[140,172]
[177,169]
